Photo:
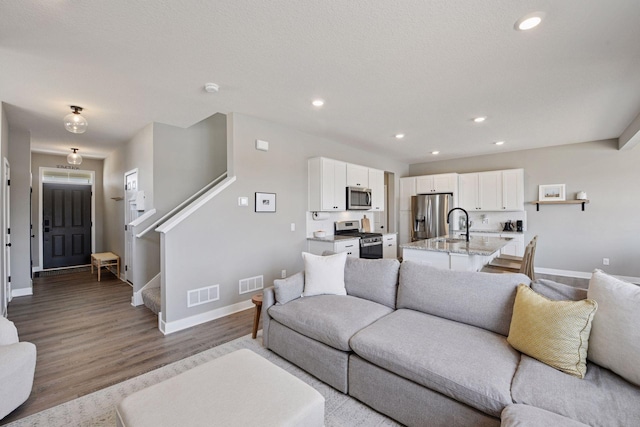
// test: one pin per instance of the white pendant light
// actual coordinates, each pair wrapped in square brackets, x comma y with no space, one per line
[74,122]
[74,158]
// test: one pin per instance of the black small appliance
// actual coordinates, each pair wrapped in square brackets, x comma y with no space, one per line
[508,226]
[519,225]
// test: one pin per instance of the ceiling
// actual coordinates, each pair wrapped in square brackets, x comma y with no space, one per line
[418,67]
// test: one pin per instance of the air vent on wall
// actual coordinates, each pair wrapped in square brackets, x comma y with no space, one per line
[251,284]
[203,295]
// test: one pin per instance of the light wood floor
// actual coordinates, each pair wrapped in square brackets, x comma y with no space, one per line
[88,337]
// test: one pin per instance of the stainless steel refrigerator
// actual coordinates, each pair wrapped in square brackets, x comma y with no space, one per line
[429,215]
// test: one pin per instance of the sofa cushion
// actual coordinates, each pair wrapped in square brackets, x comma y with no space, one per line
[530,416]
[289,289]
[330,319]
[554,332]
[324,274]
[466,363]
[615,337]
[373,279]
[478,299]
[602,398]
[558,291]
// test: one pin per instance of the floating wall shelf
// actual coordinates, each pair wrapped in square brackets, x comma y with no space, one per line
[560,202]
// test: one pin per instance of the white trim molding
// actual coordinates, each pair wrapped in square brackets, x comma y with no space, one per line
[136,299]
[21,292]
[170,327]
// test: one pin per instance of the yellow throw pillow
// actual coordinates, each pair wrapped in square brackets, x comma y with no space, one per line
[554,332]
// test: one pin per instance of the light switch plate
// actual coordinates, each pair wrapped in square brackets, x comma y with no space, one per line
[262,145]
[243,201]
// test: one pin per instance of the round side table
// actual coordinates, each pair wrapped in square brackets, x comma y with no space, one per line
[257,300]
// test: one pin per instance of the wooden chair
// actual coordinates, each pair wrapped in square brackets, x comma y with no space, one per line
[505,266]
[518,259]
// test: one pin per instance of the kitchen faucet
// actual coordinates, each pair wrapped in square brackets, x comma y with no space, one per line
[467,214]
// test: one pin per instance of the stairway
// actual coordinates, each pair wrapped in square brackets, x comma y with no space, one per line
[152,299]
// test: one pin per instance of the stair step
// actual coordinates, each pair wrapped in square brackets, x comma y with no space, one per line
[152,299]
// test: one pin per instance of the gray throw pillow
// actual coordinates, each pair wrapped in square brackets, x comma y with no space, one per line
[289,289]
[558,291]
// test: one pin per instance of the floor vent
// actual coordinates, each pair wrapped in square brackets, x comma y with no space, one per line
[251,284]
[203,295]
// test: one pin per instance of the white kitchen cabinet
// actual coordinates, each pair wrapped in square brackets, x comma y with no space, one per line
[490,191]
[441,183]
[407,190]
[390,246]
[376,184]
[515,247]
[357,176]
[513,190]
[501,190]
[327,184]
[350,246]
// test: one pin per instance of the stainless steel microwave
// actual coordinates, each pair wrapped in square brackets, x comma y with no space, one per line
[358,198]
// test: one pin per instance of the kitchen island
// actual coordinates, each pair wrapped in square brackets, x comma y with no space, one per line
[454,253]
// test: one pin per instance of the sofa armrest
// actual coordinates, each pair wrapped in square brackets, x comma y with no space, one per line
[268,299]
[8,332]
[17,366]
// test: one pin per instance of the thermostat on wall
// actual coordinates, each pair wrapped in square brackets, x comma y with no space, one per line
[262,145]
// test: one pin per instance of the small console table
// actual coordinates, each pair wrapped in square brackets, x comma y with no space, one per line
[105,259]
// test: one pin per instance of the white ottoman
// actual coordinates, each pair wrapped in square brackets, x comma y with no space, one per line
[239,389]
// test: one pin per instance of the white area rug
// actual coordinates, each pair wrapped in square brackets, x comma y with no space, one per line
[98,409]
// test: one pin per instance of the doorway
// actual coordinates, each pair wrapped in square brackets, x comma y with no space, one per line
[66,226]
[66,218]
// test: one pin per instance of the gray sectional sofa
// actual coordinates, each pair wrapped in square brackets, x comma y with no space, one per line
[428,347]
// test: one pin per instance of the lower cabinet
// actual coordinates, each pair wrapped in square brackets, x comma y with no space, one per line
[350,246]
[390,246]
[515,247]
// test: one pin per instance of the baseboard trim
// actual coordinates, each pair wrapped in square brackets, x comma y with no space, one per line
[21,292]
[178,325]
[581,274]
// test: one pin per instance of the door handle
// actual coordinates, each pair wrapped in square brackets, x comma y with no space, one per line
[8,245]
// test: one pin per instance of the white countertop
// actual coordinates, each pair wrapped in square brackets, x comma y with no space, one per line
[477,245]
[332,239]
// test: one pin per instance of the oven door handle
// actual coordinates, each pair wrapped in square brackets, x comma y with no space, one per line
[366,245]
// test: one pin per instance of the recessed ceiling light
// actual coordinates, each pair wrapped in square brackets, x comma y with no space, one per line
[529,21]
[499,142]
[399,135]
[480,119]
[317,102]
[435,152]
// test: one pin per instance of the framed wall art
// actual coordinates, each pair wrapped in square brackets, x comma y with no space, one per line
[265,202]
[551,193]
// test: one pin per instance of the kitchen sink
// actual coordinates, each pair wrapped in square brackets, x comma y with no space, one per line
[451,240]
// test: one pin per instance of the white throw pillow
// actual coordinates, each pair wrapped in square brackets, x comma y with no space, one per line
[324,274]
[615,334]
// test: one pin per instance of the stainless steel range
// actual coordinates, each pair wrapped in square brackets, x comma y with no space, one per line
[370,243]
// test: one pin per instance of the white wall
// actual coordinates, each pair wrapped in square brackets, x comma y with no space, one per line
[222,243]
[20,160]
[113,214]
[570,239]
[39,160]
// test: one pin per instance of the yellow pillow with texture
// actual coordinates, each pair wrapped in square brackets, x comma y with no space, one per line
[553,332]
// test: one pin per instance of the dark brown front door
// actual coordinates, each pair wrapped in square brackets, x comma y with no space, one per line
[66,216]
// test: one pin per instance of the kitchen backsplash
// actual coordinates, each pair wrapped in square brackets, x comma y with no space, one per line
[329,218]
[496,220]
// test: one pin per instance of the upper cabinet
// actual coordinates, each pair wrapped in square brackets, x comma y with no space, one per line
[492,191]
[328,181]
[357,176]
[327,184]
[407,190]
[442,183]
[376,183]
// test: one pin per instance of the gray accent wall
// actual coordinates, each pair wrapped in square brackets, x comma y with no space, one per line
[20,162]
[39,160]
[222,242]
[570,239]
